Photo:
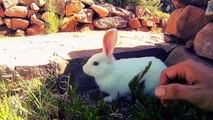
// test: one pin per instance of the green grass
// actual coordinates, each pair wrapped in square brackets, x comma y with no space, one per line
[56,99]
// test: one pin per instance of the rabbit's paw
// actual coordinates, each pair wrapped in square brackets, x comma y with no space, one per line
[108,99]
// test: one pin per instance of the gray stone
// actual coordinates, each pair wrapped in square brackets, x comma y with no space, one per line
[8,73]
[110,22]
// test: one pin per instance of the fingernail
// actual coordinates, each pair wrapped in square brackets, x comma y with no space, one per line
[160,92]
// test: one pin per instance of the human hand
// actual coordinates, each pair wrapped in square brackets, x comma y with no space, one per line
[191,81]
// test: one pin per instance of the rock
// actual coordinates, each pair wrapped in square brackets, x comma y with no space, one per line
[8,22]
[17,11]
[148,23]
[19,32]
[7,73]
[144,29]
[1,12]
[30,13]
[156,20]
[85,16]
[34,6]
[102,12]
[110,22]
[0,1]
[59,6]
[178,4]
[134,23]
[198,3]
[9,3]
[179,54]
[73,7]
[35,30]
[18,23]
[209,10]
[87,2]
[108,6]
[56,65]
[86,27]
[141,12]
[1,21]
[123,13]
[40,3]
[203,42]
[184,23]
[36,21]
[45,16]
[69,24]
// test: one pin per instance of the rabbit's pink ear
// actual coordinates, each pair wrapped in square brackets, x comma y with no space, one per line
[109,42]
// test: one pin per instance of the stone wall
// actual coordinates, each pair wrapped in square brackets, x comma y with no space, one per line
[31,16]
[191,24]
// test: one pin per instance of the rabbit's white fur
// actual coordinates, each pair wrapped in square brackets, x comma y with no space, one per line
[113,76]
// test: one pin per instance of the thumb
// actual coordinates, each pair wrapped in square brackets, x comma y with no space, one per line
[174,92]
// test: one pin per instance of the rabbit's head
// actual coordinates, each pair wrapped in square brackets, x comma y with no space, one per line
[101,64]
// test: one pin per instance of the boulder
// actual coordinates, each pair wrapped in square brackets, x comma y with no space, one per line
[198,3]
[134,23]
[148,23]
[110,22]
[18,23]
[30,13]
[87,2]
[8,73]
[19,32]
[1,21]
[85,16]
[102,12]
[35,30]
[9,3]
[36,21]
[209,10]
[156,20]
[17,11]
[40,3]
[56,6]
[69,24]
[1,12]
[87,27]
[34,6]
[184,23]
[203,42]
[123,13]
[8,22]
[73,7]
[178,4]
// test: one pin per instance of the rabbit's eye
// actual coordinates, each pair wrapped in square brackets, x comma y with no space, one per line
[95,63]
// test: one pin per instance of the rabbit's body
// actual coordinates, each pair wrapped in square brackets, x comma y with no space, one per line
[113,76]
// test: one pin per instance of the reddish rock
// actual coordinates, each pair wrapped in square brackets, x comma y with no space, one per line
[134,23]
[34,6]
[58,4]
[203,42]
[18,23]
[16,11]
[102,12]
[74,7]
[8,22]
[69,24]
[148,23]
[178,4]
[1,21]
[184,23]
[87,27]
[0,1]
[30,13]
[181,3]
[35,30]
[36,21]
[123,13]
[87,2]
[1,12]
[144,29]
[40,3]
[19,32]
[110,22]
[45,16]
[141,12]
[156,20]
[9,3]
[85,16]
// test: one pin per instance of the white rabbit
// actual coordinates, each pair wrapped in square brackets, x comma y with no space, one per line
[113,76]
